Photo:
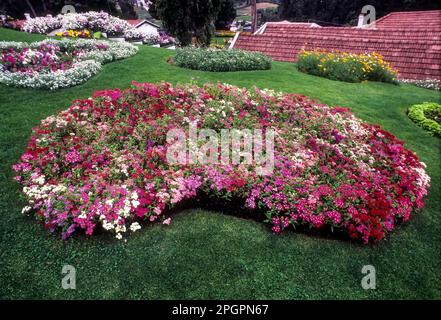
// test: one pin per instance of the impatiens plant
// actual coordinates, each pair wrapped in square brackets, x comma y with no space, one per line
[103,163]
[53,64]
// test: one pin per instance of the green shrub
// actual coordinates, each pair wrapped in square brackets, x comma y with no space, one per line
[347,67]
[428,116]
[221,60]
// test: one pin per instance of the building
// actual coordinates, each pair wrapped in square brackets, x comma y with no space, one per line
[146,26]
[409,41]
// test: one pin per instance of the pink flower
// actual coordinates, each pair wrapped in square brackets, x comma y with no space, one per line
[73,156]
[167,221]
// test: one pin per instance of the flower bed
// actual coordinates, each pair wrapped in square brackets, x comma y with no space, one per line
[428,116]
[221,60]
[102,164]
[94,21]
[52,64]
[347,67]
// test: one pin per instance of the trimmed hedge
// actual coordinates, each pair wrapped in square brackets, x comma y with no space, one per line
[221,60]
[428,116]
[348,67]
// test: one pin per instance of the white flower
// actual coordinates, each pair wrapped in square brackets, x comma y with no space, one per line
[135,226]
[107,225]
[135,203]
[26,209]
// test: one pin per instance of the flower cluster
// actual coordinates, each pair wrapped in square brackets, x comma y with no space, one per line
[102,164]
[75,34]
[42,25]
[434,84]
[56,64]
[135,35]
[349,67]
[221,60]
[94,21]
[163,39]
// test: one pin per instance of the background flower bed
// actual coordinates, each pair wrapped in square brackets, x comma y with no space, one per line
[428,116]
[103,163]
[221,60]
[94,21]
[52,64]
[347,67]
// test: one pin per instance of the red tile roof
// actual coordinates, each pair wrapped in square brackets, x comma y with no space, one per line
[134,23]
[423,20]
[400,37]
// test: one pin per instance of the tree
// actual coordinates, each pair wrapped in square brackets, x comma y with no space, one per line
[186,19]
[345,11]
[227,14]
[17,8]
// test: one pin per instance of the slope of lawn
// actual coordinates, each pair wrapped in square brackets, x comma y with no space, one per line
[209,254]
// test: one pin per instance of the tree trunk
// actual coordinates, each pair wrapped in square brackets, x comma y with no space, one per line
[253,16]
[44,7]
[31,8]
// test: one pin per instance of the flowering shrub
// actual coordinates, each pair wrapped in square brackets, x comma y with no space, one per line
[221,60]
[56,64]
[102,163]
[428,116]
[75,34]
[433,84]
[94,21]
[163,39]
[42,25]
[347,67]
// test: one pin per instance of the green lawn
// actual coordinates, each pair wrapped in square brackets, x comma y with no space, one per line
[208,254]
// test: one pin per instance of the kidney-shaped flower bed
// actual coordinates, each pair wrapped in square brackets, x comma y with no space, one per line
[52,64]
[102,164]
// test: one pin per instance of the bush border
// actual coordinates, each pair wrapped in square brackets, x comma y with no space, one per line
[416,114]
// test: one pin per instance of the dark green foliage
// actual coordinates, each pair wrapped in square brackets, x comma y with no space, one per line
[186,19]
[226,15]
[345,11]
[268,15]
[17,8]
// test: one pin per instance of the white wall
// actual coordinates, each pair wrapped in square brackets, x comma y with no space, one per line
[147,28]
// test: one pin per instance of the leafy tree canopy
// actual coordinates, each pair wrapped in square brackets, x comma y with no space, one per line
[345,11]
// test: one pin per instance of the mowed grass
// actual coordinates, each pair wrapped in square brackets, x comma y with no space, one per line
[209,254]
